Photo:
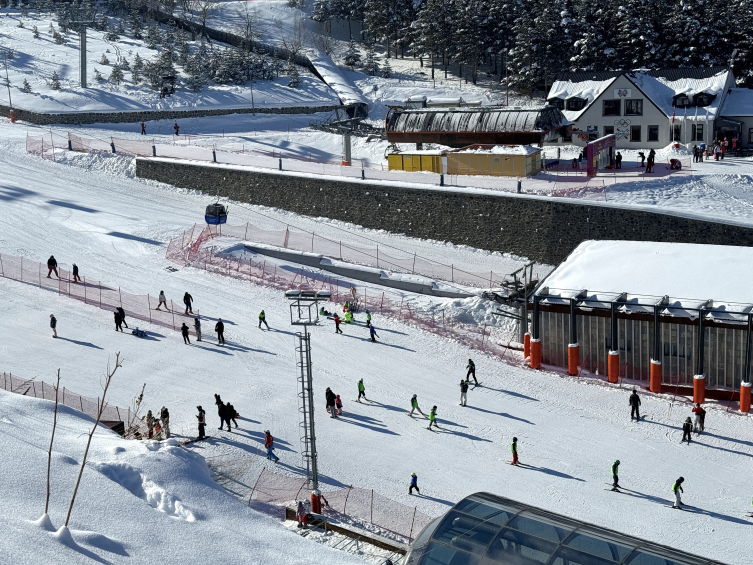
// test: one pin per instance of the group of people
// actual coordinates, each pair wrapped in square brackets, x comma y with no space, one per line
[334,404]
[158,427]
[52,267]
[348,318]
[226,412]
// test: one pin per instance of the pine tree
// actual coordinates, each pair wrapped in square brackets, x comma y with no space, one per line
[136,68]
[295,80]
[35,32]
[116,76]
[104,60]
[353,56]
[197,77]
[97,75]
[20,23]
[386,69]
[152,37]
[57,38]
[55,81]
[26,87]
[134,22]
[372,65]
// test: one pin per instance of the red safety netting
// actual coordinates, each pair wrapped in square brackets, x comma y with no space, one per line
[351,504]
[139,307]
[40,147]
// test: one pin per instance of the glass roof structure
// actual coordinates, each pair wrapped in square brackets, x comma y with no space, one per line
[485,529]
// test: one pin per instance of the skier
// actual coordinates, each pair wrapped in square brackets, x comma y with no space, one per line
[162,300]
[463,392]
[150,424]
[514,449]
[263,319]
[618,161]
[176,127]
[433,417]
[642,155]
[361,391]
[413,484]
[230,412]
[471,371]
[76,278]
[337,324]
[187,300]
[677,489]
[202,422]
[143,128]
[165,417]
[615,472]
[122,315]
[53,325]
[330,396]
[269,443]
[635,402]
[368,319]
[687,427]
[184,331]
[219,327]
[650,162]
[118,321]
[699,415]
[373,333]
[52,265]
[338,405]
[348,317]
[300,513]
[224,414]
[220,408]
[197,328]
[414,406]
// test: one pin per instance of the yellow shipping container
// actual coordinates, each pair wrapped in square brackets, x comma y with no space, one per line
[430,161]
[494,160]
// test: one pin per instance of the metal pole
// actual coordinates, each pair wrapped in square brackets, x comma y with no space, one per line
[314,466]
[573,325]
[615,337]
[657,334]
[701,341]
[82,55]
[746,369]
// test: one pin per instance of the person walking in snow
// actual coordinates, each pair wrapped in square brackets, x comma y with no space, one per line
[150,421]
[615,473]
[301,515]
[414,406]
[197,328]
[635,402]
[187,300]
[677,489]
[230,411]
[413,484]
[618,161]
[687,427]
[338,405]
[52,265]
[330,397]
[184,331]
[143,128]
[348,317]
[118,321]
[698,418]
[373,333]
[54,325]
[650,161]
[471,371]
[176,127]
[220,406]
[433,417]
[219,327]
[120,311]
[463,392]
[336,318]
[76,278]
[162,300]
[514,449]
[368,319]
[263,319]
[269,443]
[202,418]
[361,391]
[165,417]
[224,414]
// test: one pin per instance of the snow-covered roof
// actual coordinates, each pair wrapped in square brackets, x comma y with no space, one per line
[589,90]
[662,91]
[499,149]
[739,102]
[331,74]
[690,274]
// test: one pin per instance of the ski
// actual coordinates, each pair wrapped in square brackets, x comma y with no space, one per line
[195,440]
[477,384]
[614,490]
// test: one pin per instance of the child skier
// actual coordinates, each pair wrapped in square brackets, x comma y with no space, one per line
[52,265]
[361,391]
[269,443]
[263,319]
[122,315]
[373,333]
[202,422]
[463,392]
[677,489]
[413,484]
[76,278]
[348,317]
[514,449]
[414,406]
[338,405]
[687,427]
[54,325]
[188,301]
[197,328]
[433,417]
[337,324]
[219,327]
[699,414]
[184,331]
[635,403]
[162,300]
[615,472]
[300,513]
[368,319]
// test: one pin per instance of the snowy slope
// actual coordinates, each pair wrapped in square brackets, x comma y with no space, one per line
[570,431]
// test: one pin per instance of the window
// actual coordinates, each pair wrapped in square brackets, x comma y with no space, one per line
[612,108]
[593,133]
[653,133]
[557,103]
[635,133]
[634,107]
[682,101]
[608,130]
[750,135]
[676,131]
[575,104]
[696,132]
[702,99]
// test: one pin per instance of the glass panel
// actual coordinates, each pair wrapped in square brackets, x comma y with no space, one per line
[567,556]
[465,532]
[486,510]
[598,546]
[643,558]
[439,554]
[541,528]
[515,548]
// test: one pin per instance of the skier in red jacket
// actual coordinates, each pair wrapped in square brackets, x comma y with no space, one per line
[700,415]
[269,443]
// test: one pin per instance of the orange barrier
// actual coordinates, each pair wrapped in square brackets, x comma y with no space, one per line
[527,346]
[573,356]
[535,353]
[316,502]
[655,379]
[613,369]
[699,388]
[744,397]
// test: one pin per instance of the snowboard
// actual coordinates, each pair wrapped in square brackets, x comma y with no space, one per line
[195,440]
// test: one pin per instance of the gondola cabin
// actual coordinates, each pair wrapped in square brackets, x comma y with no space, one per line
[216,214]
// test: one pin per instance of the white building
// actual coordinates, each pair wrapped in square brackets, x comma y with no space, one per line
[649,108]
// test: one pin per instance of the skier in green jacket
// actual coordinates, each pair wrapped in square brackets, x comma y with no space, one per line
[677,489]
[414,406]
[361,391]
[514,449]
[433,417]
[263,319]
[615,472]
[368,319]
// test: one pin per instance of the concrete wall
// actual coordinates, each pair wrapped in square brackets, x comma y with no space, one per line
[545,230]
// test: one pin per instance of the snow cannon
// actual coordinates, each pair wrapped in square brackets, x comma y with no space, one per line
[215,214]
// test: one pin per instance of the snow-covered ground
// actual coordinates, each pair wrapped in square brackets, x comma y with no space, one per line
[115,228]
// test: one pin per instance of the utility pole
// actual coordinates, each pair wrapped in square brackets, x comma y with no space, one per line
[80,27]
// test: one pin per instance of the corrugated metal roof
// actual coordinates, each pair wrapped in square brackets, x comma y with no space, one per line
[483,119]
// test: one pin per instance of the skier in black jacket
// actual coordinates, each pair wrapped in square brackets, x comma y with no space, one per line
[118,321]
[331,398]
[230,414]
[184,331]
[122,315]
[220,405]
[687,427]
[635,402]
[54,325]
[219,327]
[471,371]
[187,300]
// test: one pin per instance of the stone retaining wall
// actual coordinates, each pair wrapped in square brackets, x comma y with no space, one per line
[543,229]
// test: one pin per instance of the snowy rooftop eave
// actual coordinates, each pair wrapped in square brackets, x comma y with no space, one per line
[589,90]
[662,91]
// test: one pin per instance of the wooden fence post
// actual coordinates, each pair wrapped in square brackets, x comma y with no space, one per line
[172,307]
[84,290]
[149,309]
[40,274]
[100,294]
[371,518]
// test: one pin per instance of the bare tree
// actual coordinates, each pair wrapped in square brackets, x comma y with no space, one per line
[52,438]
[134,423]
[325,42]
[249,21]
[204,9]
[100,410]
[293,39]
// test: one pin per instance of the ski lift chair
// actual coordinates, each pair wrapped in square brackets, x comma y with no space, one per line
[216,214]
